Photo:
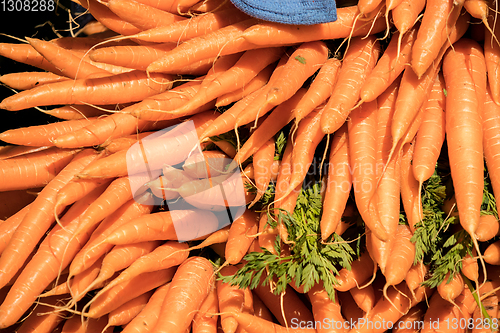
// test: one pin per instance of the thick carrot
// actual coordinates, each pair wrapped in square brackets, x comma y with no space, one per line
[9,226]
[319,90]
[223,41]
[406,13]
[364,298]
[388,68]
[492,57]
[416,275]
[131,56]
[325,311]
[70,64]
[189,288]
[241,236]
[437,22]
[349,309]
[28,80]
[273,34]
[260,309]
[119,88]
[463,104]
[43,318]
[26,54]
[33,170]
[362,149]
[411,322]
[124,292]
[54,254]
[205,321]
[359,60]
[451,287]
[339,183]
[39,219]
[126,312]
[492,253]
[196,26]
[146,319]
[42,135]
[173,225]
[470,267]
[487,228]
[254,324]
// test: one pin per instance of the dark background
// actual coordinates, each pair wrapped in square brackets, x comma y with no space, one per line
[43,25]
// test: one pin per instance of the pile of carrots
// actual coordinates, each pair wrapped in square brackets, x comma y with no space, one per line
[175,114]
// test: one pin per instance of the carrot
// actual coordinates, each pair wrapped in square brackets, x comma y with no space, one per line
[33,170]
[462,114]
[115,145]
[194,27]
[349,309]
[362,146]
[232,299]
[263,160]
[325,311]
[26,54]
[131,56]
[90,253]
[206,320]
[53,255]
[107,128]
[367,6]
[38,220]
[42,319]
[109,19]
[164,256]
[437,22]
[260,309]
[126,312]
[267,234]
[339,183]
[359,60]
[73,112]
[319,90]
[400,259]
[487,228]
[241,236]
[223,41]
[416,275]
[119,258]
[12,202]
[279,117]
[122,293]
[189,288]
[208,164]
[361,270]
[293,309]
[69,63]
[118,88]
[470,267]
[273,34]
[431,134]
[255,84]
[451,287]
[173,225]
[491,125]
[253,324]
[146,319]
[492,253]
[406,13]
[42,135]
[10,151]
[9,226]
[28,80]
[492,57]
[141,15]
[411,322]
[390,65]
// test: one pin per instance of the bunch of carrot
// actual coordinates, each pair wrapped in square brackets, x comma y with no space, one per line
[182,113]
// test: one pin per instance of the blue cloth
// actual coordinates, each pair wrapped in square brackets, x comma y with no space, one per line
[296,12]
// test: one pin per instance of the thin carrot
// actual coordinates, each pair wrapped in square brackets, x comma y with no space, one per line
[416,275]
[253,324]
[241,236]
[491,125]
[349,309]
[146,319]
[492,57]
[73,112]
[361,270]
[38,220]
[364,298]
[42,135]
[119,88]
[205,321]
[359,60]
[26,54]
[189,288]
[194,27]
[126,312]
[263,160]
[42,319]
[28,80]
[273,34]
[10,225]
[223,41]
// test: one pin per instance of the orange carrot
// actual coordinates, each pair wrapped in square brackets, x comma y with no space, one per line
[492,57]
[263,160]
[205,321]
[487,228]
[359,60]
[28,80]
[73,112]
[42,135]
[361,270]
[9,226]
[241,236]
[364,298]
[339,183]
[33,170]
[126,312]
[146,319]
[118,88]
[491,125]
[39,219]
[492,253]
[26,54]
[253,324]
[406,13]
[464,102]
[189,288]
[411,322]
[273,34]
[326,311]
[43,318]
